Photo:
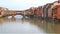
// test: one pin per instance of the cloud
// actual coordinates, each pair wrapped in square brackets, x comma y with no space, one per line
[23,4]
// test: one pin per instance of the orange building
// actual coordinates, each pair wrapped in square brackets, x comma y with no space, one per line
[56,11]
[38,11]
[3,11]
[31,10]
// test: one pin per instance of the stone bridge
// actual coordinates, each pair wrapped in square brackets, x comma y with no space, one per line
[6,12]
[14,12]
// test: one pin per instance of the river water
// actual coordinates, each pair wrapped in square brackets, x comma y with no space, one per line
[18,24]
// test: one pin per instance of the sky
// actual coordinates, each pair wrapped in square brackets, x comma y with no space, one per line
[23,4]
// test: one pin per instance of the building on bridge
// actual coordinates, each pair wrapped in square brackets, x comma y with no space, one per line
[2,11]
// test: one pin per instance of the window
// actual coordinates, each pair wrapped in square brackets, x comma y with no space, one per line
[0,12]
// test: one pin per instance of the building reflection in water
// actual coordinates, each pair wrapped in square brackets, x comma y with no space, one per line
[13,19]
[49,26]
[2,20]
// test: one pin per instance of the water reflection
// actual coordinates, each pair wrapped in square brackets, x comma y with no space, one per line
[28,25]
[13,19]
[2,20]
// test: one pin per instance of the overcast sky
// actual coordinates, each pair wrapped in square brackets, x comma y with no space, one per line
[23,4]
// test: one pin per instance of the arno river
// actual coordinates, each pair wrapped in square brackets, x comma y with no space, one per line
[18,24]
